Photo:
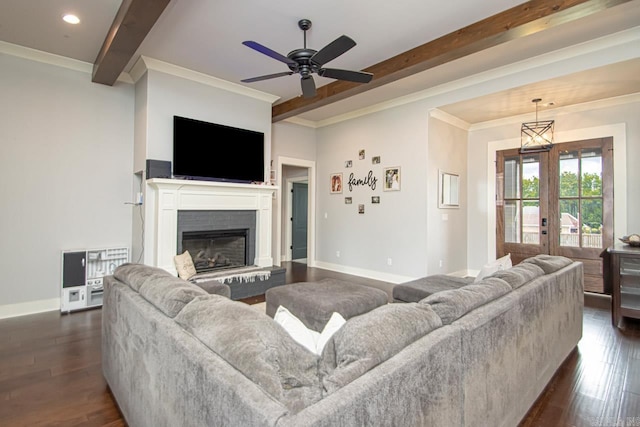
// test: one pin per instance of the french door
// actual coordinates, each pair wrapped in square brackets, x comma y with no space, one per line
[558,202]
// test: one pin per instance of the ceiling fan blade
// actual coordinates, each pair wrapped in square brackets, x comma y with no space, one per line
[351,76]
[333,50]
[308,87]
[272,53]
[266,77]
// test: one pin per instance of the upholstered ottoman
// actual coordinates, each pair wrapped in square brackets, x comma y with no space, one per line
[314,302]
[421,288]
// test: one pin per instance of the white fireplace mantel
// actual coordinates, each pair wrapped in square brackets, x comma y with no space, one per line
[172,195]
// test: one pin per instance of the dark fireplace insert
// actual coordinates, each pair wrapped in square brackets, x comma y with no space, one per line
[217,249]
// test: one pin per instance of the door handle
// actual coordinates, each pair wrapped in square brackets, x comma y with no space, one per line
[544,222]
[544,231]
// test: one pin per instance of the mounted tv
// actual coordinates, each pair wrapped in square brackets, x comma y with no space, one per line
[213,152]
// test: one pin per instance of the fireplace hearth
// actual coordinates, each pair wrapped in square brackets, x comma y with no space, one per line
[217,249]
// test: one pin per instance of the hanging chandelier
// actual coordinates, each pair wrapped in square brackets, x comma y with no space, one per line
[536,136]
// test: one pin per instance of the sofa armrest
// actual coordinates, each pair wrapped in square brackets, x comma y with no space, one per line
[215,287]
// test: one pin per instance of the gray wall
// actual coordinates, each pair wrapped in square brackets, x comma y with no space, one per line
[160,96]
[66,155]
[446,228]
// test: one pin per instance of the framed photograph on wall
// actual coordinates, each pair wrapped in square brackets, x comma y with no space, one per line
[361,154]
[360,209]
[375,160]
[448,190]
[391,179]
[375,200]
[336,183]
[348,200]
[348,163]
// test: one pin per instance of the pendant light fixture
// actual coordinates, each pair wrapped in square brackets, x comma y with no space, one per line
[536,136]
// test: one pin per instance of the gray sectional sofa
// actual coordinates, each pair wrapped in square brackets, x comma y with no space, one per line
[477,355]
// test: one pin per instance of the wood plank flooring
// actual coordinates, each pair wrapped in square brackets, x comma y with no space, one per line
[50,371]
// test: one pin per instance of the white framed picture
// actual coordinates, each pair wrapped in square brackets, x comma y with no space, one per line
[391,179]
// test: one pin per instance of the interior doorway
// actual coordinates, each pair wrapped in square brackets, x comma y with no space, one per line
[295,216]
[558,202]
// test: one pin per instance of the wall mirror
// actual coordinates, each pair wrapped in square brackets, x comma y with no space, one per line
[448,191]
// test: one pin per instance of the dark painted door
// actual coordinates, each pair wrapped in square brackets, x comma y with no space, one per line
[299,221]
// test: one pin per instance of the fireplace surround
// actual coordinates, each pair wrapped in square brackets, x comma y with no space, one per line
[173,199]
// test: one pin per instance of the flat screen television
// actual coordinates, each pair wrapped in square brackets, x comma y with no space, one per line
[213,152]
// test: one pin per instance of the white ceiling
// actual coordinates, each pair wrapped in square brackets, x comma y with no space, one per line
[206,36]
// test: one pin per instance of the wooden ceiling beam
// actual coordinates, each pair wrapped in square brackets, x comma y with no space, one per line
[520,21]
[132,23]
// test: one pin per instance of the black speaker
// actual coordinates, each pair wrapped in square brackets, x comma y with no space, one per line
[158,169]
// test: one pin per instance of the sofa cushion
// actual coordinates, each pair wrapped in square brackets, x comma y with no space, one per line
[256,346]
[549,263]
[519,275]
[135,275]
[453,304]
[170,294]
[371,338]
[421,288]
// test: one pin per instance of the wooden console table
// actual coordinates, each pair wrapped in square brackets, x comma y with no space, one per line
[625,280]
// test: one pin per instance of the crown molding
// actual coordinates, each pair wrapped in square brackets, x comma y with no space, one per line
[301,122]
[145,63]
[449,118]
[52,59]
[628,37]
[45,57]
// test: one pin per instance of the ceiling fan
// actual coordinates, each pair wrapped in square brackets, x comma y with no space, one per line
[308,61]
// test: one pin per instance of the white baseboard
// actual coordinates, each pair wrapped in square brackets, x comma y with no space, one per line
[31,307]
[361,272]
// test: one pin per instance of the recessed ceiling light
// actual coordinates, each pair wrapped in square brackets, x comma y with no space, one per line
[71,19]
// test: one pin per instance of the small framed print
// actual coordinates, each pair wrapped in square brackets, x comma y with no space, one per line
[336,183]
[391,179]
[348,200]
[375,200]
[361,154]
[360,209]
[375,160]
[348,164]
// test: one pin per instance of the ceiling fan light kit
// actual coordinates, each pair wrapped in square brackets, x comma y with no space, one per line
[306,62]
[536,136]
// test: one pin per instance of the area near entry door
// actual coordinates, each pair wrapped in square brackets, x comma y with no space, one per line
[557,202]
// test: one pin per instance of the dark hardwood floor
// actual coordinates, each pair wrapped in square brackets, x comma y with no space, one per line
[50,371]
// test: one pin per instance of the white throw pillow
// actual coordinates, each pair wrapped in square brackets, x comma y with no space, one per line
[335,322]
[308,338]
[497,265]
[184,265]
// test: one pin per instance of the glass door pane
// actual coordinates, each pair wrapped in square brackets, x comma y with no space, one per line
[522,199]
[592,198]
[580,194]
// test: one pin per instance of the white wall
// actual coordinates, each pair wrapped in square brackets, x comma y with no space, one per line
[295,141]
[66,154]
[446,228]
[569,125]
[290,141]
[396,228]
